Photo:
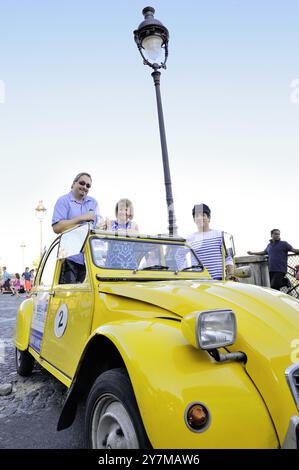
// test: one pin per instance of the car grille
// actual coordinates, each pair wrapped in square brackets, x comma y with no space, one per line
[292,376]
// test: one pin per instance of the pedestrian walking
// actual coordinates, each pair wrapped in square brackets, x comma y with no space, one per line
[27,281]
[16,285]
[32,277]
[5,280]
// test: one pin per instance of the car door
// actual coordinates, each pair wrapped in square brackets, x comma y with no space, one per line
[41,298]
[69,319]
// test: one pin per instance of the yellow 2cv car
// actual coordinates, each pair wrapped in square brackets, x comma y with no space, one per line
[162,355]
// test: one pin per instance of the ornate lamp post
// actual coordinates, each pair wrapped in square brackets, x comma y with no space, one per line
[151,38]
[40,212]
[23,246]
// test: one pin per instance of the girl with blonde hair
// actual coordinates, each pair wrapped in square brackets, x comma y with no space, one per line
[124,213]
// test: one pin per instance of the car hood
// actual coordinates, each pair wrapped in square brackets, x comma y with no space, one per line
[261,312]
[267,328]
[181,297]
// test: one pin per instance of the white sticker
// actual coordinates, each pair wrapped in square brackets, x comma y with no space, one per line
[60,320]
[38,320]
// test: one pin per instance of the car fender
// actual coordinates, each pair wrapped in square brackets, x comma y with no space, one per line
[168,374]
[23,324]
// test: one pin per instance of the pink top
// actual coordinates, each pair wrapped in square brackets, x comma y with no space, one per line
[17,283]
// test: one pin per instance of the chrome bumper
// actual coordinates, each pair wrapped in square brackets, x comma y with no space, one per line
[291,440]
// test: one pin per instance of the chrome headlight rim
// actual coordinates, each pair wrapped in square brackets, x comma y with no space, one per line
[198,328]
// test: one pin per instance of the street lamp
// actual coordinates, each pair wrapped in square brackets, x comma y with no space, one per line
[152,38]
[23,246]
[40,212]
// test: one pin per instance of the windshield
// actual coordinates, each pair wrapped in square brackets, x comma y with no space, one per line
[143,255]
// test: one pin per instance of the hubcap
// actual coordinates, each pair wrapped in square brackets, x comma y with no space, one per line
[18,358]
[112,427]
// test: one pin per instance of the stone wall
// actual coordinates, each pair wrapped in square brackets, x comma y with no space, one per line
[259,269]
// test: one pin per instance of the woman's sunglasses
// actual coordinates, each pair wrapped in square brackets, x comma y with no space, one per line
[82,183]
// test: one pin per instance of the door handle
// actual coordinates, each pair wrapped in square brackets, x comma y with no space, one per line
[52,294]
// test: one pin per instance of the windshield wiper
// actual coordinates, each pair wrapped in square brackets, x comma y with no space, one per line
[192,267]
[157,267]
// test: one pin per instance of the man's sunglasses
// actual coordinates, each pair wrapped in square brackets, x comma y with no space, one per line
[82,183]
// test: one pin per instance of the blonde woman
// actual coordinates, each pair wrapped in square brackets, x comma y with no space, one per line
[122,255]
[124,213]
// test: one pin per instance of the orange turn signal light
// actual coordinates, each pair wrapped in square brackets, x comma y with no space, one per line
[197,417]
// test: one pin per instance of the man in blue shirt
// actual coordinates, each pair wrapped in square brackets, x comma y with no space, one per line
[277,251]
[74,208]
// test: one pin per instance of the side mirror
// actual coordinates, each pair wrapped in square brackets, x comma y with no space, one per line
[243,272]
[228,243]
[72,241]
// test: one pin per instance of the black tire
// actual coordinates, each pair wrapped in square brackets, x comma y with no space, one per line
[24,363]
[112,395]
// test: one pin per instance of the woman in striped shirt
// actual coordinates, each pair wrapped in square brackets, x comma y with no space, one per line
[207,244]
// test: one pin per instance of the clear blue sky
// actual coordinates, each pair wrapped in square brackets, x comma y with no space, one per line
[78,98]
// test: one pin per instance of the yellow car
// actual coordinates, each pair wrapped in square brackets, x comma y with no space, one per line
[164,356]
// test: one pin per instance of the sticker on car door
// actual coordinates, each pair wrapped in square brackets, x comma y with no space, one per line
[60,322]
[38,320]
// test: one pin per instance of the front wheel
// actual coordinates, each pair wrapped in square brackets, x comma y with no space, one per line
[112,417]
[24,362]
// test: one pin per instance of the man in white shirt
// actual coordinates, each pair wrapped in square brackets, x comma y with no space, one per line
[207,244]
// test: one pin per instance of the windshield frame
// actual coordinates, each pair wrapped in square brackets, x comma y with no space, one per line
[152,241]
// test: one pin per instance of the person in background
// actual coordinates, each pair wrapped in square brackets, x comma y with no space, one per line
[5,280]
[16,285]
[27,281]
[74,208]
[32,277]
[277,251]
[207,244]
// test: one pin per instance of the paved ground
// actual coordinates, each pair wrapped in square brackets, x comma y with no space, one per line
[29,414]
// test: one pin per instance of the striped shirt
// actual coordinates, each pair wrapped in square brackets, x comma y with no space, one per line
[208,248]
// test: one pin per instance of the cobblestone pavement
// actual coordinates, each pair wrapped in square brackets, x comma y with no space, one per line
[29,414]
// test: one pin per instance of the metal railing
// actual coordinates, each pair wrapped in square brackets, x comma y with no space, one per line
[293,288]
